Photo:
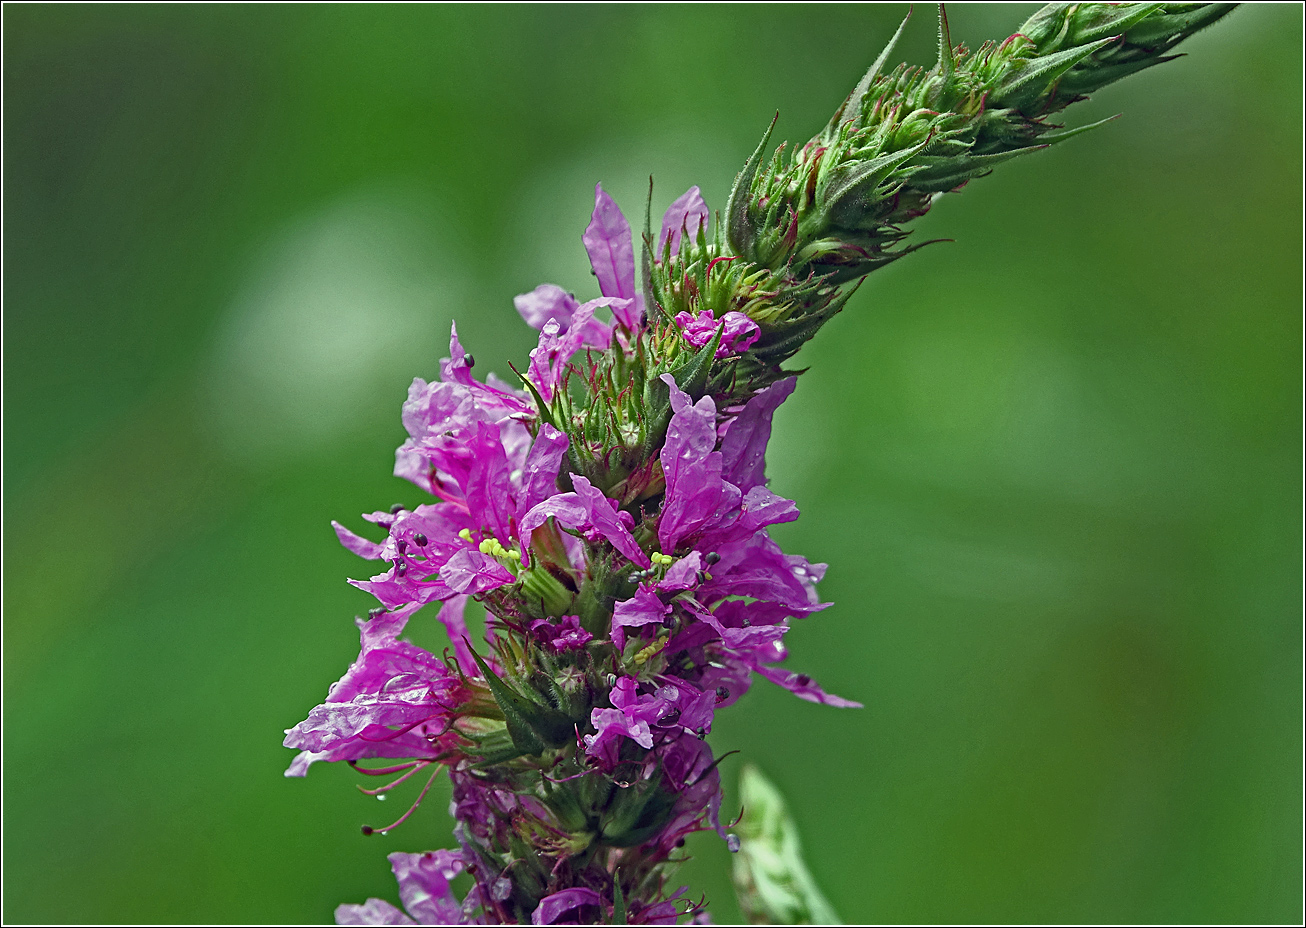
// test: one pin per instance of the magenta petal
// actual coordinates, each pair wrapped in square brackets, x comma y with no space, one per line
[612,254]
[743,450]
[472,572]
[539,479]
[605,519]
[625,310]
[488,483]
[644,608]
[686,215]
[551,907]
[545,302]
[550,358]
[802,686]
[683,575]
[357,543]
[371,912]
[565,507]
[691,467]
[424,885]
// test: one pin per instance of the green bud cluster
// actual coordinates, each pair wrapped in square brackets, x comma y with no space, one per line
[808,225]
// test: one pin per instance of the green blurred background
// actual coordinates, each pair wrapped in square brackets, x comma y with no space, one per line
[1054,466]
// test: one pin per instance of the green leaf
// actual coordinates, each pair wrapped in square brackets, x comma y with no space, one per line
[773,884]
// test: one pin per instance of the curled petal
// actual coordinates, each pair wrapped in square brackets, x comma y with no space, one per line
[607,520]
[802,686]
[472,572]
[738,332]
[552,907]
[644,608]
[545,302]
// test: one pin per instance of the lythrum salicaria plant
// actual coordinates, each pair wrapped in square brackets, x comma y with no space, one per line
[610,511]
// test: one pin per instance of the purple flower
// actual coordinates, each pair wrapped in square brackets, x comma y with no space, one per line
[737,336]
[629,717]
[682,628]
[423,888]
[563,635]
[440,417]
[394,701]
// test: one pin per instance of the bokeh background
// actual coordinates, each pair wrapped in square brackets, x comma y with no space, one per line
[1054,466]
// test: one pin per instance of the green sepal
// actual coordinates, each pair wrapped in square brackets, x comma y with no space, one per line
[849,193]
[652,308]
[530,724]
[1114,21]
[618,900]
[492,754]
[739,232]
[636,813]
[1169,29]
[852,110]
[771,880]
[943,174]
[545,409]
[947,58]
[1031,81]
[1053,137]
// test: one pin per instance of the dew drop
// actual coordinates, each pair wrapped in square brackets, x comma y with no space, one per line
[732,842]
[380,797]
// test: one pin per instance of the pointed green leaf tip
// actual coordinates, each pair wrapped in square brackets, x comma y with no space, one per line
[773,884]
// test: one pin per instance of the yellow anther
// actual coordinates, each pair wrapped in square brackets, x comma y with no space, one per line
[643,656]
[487,545]
[514,554]
[465,534]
